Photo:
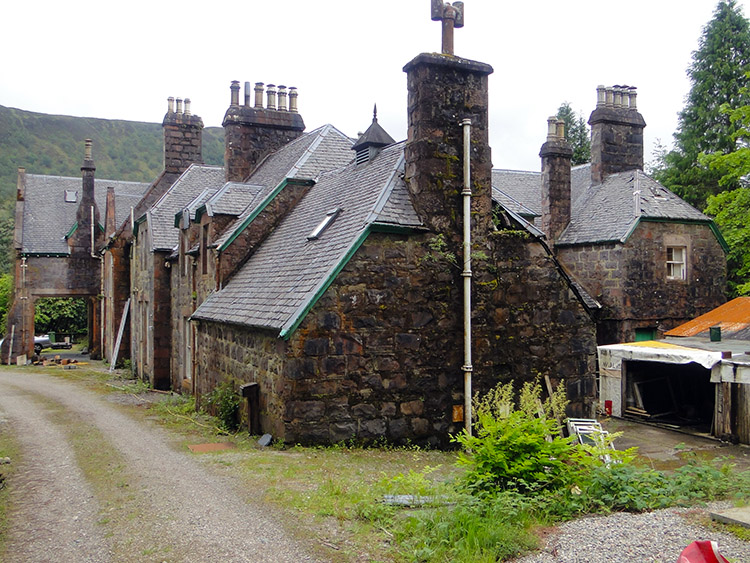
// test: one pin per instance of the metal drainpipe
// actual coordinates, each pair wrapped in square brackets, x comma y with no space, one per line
[466,274]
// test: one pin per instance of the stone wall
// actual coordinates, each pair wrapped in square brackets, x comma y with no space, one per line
[380,354]
[631,282]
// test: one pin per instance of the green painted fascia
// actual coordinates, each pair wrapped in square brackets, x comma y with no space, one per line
[101,227]
[199,213]
[177,218]
[136,223]
[711,225]
[393,229]
[262,206]
[45,254]
[286,333]
[72,230]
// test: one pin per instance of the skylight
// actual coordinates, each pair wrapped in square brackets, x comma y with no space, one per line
[324,224]
[71,196]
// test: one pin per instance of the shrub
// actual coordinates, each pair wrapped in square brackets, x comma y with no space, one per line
[224,403]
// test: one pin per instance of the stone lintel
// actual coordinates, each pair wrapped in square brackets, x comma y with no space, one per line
[560,148]
[450,62]
[617,116]
[243,115]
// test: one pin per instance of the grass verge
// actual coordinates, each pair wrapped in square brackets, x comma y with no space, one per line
[8,448]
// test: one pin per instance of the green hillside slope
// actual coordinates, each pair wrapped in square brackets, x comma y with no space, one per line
[53,144]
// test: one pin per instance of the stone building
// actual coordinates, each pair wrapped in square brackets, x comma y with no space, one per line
[346,312]
[182,147]
[651,259]
[57,237]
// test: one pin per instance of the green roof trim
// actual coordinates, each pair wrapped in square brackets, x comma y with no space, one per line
[199,212]
[72,230]
[137,222]
[177,218]
[46,254]
[296,320]
[709,223]
[262,206]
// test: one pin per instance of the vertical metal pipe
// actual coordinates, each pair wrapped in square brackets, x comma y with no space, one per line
[466,274]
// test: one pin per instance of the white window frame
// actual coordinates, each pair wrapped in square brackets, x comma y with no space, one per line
[677,263]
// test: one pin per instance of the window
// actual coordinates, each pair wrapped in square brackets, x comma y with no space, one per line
[324,224]
[676,263]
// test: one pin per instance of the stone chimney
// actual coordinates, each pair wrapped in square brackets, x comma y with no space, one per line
[183,137]
[556,155]
[253,132]
[87,215]
[110,217]
[442,91]
[616,133]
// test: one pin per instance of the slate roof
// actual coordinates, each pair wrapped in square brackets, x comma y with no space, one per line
[308,156]
[232,199]
[47,217]
[284,277]
[610,211]
[188,186]
[602,213]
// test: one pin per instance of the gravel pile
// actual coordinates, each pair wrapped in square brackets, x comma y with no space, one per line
[658,536]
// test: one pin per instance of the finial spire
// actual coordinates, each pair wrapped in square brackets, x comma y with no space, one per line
[452,16]
[375,113]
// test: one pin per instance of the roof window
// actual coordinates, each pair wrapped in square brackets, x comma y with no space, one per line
[71,196]
[324,224]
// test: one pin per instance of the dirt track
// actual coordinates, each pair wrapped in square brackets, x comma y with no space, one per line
[161,504]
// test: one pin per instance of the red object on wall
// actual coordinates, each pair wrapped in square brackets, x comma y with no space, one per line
[608,407]
[702,552]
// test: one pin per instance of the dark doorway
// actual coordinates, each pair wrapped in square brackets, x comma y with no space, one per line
[671,394]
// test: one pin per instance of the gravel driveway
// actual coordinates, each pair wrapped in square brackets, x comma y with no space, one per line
[175,508]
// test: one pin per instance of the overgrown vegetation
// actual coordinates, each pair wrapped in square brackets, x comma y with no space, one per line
[407,504]
[224,403]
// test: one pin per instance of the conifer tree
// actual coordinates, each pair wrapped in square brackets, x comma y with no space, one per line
[577,133]
[717,74]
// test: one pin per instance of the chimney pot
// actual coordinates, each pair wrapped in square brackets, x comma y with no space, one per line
[610,97]
[247,94]
[617,97]
[235,89]
[293,99]
[560,129]
[259,95]
[551,128]
[601,96]
[179,105]
[271,96]
[170,104]
[187,106]
[87,153]
[282,98]
[632,94]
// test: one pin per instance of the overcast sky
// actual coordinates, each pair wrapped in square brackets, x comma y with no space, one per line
[121,60]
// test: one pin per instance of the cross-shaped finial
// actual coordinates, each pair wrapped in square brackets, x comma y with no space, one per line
[452,16]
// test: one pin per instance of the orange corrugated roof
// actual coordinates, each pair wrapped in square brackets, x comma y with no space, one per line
[731,317]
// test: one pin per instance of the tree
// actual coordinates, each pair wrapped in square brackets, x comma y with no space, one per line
[577,133]
[61,314]
[731,209]
[717,75]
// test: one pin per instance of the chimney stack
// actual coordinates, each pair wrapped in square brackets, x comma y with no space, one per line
[183,137]
[616,133]
[556,154]
[251,133]
[443,91]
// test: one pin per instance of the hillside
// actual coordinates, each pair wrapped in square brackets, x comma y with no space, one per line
[53,144]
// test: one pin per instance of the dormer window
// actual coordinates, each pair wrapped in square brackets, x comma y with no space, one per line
[324,224]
